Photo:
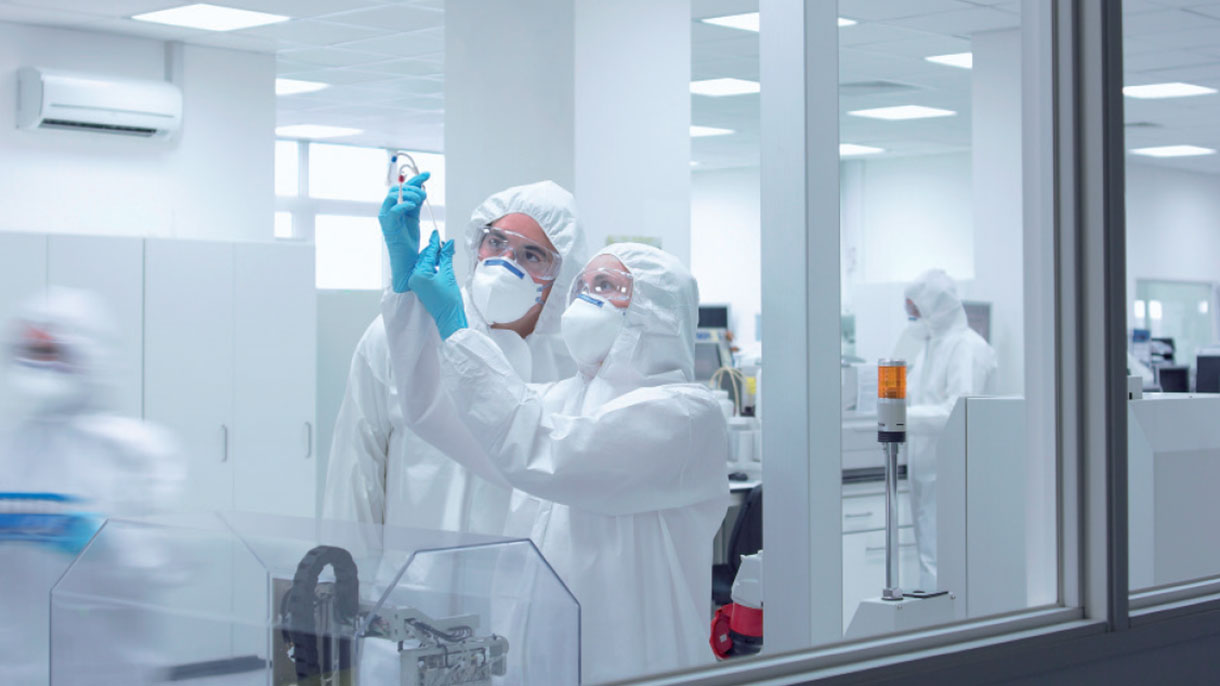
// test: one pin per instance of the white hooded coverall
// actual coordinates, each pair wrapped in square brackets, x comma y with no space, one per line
[619,469]
[68,465]
[382,472]
[953,362]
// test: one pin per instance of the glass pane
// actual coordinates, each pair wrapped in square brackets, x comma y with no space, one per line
[932,273]
[349,252]
[1171,105]
[347,172]
[283,225]
[287,171]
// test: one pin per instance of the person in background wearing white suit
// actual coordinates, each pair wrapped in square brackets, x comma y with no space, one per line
[950,361]
[382,472]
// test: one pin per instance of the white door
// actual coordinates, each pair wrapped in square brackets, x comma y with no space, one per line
[23,272]
[188,360]
[276,367]
[113,269]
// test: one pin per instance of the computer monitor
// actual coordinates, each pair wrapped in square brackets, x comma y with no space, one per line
[1207,373]
[713,316]
[1173,378]
[707,359]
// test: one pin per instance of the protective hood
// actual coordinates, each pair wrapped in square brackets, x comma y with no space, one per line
[554,208]
[77,323]
[935,294]
[657,342]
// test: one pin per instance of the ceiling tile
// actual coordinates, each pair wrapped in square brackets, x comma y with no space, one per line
[311,32]
[962,22]
[110,8]
[301,8]
[399,17]
[332,57]
[23,14]
[719,8]
[406,67]
[337,76]
[880,10]
[1146,23]
[413,44]
[867,34]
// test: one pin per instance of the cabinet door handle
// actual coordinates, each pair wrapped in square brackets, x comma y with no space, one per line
[856,515]
[224,443]
[308,440]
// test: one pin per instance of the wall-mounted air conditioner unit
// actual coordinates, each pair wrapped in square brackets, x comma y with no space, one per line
[52,99]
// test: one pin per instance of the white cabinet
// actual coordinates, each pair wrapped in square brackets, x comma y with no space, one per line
[230,368]
[275,321]
[864,544]
[23,272]
[188,364]
[112,268]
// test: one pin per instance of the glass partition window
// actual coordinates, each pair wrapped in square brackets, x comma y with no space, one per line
[1171,104]
[348,252]
[932,272]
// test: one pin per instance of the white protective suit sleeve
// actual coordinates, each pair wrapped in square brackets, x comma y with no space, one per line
[967,373]
[621,459]
[356,471]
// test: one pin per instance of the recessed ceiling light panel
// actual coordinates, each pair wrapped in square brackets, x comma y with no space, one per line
[1173,151]
[962,60]
[748,21]
[702,131]
[210,17]
[903,112]
[721,87]
[296,87]
[851,149]
[312,131]
[844,21]
[1166,90]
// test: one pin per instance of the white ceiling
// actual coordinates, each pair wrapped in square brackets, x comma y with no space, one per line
[385,59]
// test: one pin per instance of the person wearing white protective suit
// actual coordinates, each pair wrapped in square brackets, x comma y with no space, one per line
[950,361]
[67,465]
[524,244]
[619,469]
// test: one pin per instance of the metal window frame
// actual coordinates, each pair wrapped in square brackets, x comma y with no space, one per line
[1074,147]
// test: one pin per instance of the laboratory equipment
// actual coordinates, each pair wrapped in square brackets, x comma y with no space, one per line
[978,317]
[1161,350]
[401,162]
[319,617]
[895,610]
[712,341]
[283,601]
[1173,378]
[1141,345]
[1207,371]
[737,628]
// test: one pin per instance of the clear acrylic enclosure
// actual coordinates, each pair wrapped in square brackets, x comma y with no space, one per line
[280,601]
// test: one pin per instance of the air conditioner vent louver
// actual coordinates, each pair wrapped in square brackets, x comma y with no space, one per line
[109,128]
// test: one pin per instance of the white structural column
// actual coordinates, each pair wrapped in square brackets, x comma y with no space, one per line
[509,83]
[633,120]
[996,172]
[593,95]
[802,467]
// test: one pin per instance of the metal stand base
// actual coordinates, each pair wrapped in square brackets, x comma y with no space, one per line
[878,617]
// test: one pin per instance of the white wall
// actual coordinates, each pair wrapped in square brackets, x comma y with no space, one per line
[1173,226]
[725,244]
[214,181]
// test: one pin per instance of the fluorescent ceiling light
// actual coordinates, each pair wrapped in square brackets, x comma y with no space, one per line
[727,86]
[1166,90]
[903,112]
[1173,151]
[849,149]
[314,131]
[210,17]
[745,22]
[701,131]
[964,60]
[694,163]
[295,87]
[749,21]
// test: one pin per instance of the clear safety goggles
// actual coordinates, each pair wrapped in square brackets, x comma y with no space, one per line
[539,261]
[38,349]
[603,283]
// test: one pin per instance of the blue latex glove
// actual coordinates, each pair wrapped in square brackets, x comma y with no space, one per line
[400,227]
[433,281]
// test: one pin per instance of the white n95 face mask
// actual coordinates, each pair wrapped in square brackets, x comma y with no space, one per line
[589,327]
[502,291]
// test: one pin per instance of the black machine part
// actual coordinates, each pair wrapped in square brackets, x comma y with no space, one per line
[313,653]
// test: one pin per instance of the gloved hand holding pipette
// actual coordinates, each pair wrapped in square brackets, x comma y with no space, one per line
[400,226]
